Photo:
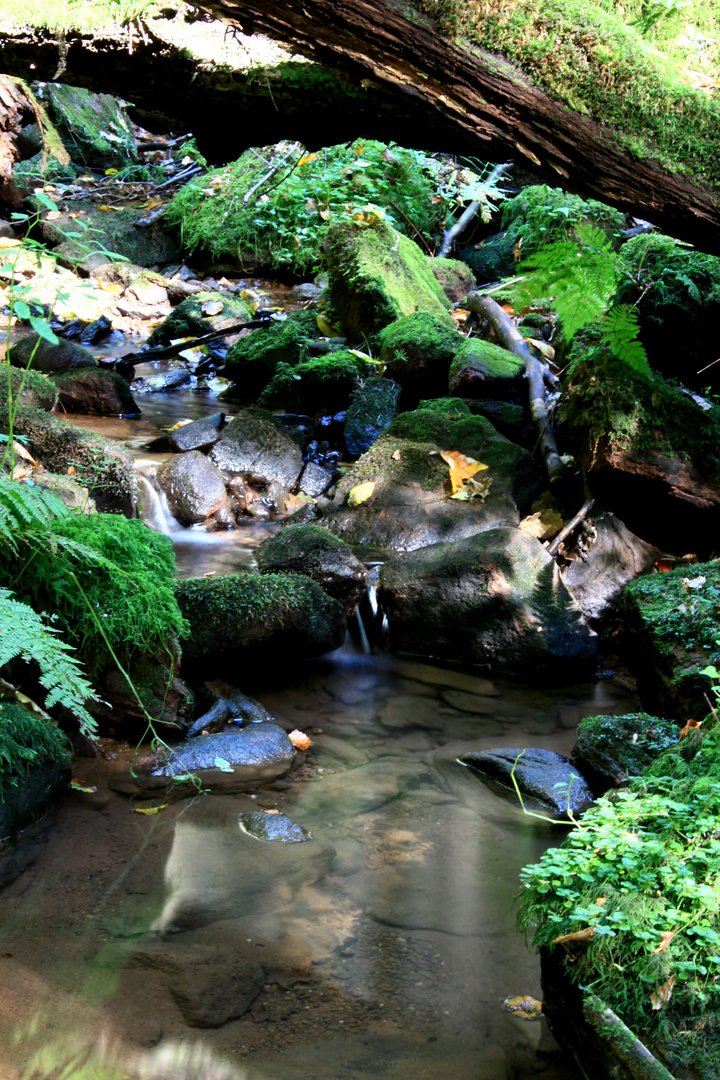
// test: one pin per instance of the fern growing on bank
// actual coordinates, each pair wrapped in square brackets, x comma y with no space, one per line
[23,507]
[26,740]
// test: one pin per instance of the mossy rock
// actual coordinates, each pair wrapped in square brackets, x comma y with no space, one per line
[482,369]
[417,351]
[105,235]
[189,320]
[372,408]
[507,418]
[541,215]
[313,551]
[48,358]
[323,384]
[94,390]
[242,617]
[35,769]
[253,360]
[671,635]
[454,277]
[450,408]
[377,276]
[95,128]
[38,392]
[609,750]
[41,168]
[491,260]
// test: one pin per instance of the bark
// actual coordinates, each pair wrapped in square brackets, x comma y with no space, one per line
[14,110]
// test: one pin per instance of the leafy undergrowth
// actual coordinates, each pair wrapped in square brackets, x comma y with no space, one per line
[26,740]
[637,888]
[285,220]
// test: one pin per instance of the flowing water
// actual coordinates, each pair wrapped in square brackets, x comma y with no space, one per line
[131,942]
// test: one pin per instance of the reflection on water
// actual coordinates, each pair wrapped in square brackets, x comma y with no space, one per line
[176,946]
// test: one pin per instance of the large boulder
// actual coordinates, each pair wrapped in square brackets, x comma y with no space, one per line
[547,781]
[198,435]
[95,128]
[481,369]
[29,388]
[50,359]
[253,360]
[201,314]
[377,276]
[495,599]
[104,235]
[194,486]
[417,352]
[408,506]
[237,617]
[316,553]
[253,442]
[455,278]
[91,390]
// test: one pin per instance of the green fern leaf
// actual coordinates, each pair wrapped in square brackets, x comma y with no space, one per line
[23,507]
[620,328]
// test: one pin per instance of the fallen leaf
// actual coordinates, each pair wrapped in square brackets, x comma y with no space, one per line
[212,307]
[307,158]
[474,489]
[361,493]
[23,699]
[111,172]
[325,328]
[517,250]
[396,455]
[9,242]
[294,502]
[542,347]
[577,935]
[690,726]
[662,996]
[601,901]
[70,471]
[148,810]
[693,583]
[75,785]
[300,740]
[666,937]
[359,149]
[465,467]
[223,765]
[543,525]
[508,309]
[663,566]
[460,315]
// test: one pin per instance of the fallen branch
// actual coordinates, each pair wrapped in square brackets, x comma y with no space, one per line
[150,218]
[184,174]
[191,343]
[509,336]
[269,175]
[572,524]
[450,235]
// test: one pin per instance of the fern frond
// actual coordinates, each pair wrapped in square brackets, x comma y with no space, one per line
[23,633]
[620,328]
[23,507]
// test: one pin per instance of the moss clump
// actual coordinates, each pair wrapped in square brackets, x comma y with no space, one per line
[95,128]
[454,277]
[623,744]
[418,351]
[253,360]
[25,741]
[492,260]
[482,369]
[189,320]
[323,384]
[643,872]
[541,215]
[440,427]
[125,572]
[377,276]
[450,408]
[38,392]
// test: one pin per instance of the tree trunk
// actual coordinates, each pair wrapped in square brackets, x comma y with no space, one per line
[14,109]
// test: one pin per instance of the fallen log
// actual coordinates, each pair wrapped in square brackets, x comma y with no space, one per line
[511,338]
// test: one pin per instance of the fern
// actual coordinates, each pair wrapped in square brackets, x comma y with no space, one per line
[22,507]
[620,329]
[24,634]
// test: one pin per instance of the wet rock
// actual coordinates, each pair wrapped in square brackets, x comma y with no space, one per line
[495,599]
[481,369]
[417,352]
[199,435]
[95,331]
[376,276]
[95,128]
[156,680]
[224,518]
[91,390]
[316,553]
[215,871]
[174,376]
[321,384]
[615,556]
[209,973]
[537,773]
[37,391]
[230,704]
[50,359]
[75,495]
[253,442]
[609,750]
[193,485]
[455,278]
[273,828]
[408,507]
[307,290]
[315,480]
[372,408]
[198,315]
[237,617]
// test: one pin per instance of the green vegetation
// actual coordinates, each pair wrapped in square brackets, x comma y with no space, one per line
[449,408]
[487,362]
[253,360]
[624,744]
[26,740]
[419,338]
[541,215]
[323,384]
[85,15]
[582,53]
[642,872]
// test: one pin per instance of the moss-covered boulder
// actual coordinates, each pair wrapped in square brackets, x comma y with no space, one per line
[449,408]
[50,359]
[417,352]
[609,750]
[242,617]
[322,384]
[201,314]
[34,770]
[92,390]
[491,260]
[34,389]
[377,276]
[654,455]
[454,277]
[253,360]
[671,636]
[372,407]
[408,505]
[104,235]
[540,215]
[495,599]
[310,550]
[482,369]
[95,128]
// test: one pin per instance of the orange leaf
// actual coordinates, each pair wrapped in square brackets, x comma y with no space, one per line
[460,315]
[300,740]
[662,996]
[662,566]
[397,455]
[465,467]
[577,935]
[690,726]
[508,310]
[666,937]
[307,158]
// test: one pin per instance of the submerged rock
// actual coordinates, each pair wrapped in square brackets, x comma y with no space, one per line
[316,553]
[272,828]
[546,780]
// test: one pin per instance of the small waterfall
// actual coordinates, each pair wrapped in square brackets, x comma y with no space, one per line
[152,505]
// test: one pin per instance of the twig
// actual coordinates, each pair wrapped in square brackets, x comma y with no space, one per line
[572,524]
[450,235]
[191,343]
[269,175]
[151,218]
[184,174]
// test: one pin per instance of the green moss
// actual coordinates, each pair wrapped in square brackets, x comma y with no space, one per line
[454,277]
[323,384]
[254,359]
[377,276]
[491,260]
[189,320]
[27,740]
[541,215]
[629,743]
[419,335]
[37,390]
[433,425]
[450,408]
[488,362]
[94,127]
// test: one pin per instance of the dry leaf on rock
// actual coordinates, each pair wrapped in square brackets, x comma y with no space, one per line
[361,493]
[666,937]
[690,726]
[577,935]
[543,525]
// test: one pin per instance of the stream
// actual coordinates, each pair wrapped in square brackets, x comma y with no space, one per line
[131,941]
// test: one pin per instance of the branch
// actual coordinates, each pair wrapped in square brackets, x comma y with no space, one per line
[450,235]
[269,175]
[191,343]
[572,524]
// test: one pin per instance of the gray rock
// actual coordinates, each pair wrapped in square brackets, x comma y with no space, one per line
[91,390]
[307,290]
[231,704]
[316,553]
[174,376]
[254,443]
[314,480]
[254,754]
[95,331]
[193,485]
[495,599]
[545,779]
[50,359]
[197,436]
[274,828]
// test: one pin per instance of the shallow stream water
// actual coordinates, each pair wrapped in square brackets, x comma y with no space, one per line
[387,943]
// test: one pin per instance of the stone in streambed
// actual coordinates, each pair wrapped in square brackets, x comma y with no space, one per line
[272,828]
[546,780]
[316,553]
[50,359]
[199,435]
[91,390]
[255,442]
[612,749]
[193,485]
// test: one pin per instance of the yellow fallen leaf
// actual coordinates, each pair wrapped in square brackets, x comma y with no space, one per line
[300,740]
[465,467]
[397,455]
[359,149]
[361,493]
[9,242]
[150,809]
[87,789]
[307,158]
[543,524]
[23,699]
[577,935]
[662,996]
[111,172]
[666,937]
[542,347]
[325,328]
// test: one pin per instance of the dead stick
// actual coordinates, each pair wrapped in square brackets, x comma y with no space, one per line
[572,524]
[509,336]
[172,350]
